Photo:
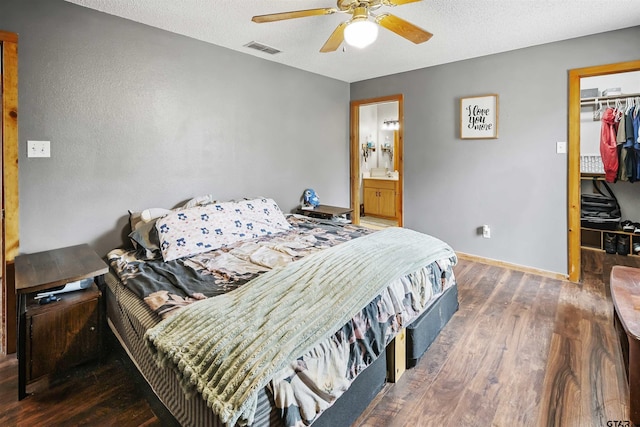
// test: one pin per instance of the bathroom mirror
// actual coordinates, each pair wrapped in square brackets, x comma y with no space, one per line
[378,131]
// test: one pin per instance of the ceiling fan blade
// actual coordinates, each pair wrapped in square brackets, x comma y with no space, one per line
[335,39]
[293,14]
[403,28]
[398,2]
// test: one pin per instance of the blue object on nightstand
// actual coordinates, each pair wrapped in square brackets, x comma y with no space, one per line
[310,198]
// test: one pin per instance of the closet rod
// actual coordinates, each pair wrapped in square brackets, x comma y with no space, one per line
[590,101]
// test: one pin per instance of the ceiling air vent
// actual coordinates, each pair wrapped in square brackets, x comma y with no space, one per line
[262,47]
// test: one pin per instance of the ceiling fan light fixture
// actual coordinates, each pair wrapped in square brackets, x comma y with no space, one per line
[360,33]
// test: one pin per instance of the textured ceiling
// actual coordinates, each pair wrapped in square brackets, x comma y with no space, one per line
[462,29]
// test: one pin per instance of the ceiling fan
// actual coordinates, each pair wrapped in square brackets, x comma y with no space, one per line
[358,31]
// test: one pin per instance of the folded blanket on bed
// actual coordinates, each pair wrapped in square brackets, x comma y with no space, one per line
[228,347]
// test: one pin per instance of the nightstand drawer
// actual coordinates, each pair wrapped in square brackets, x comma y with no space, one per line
[62,334]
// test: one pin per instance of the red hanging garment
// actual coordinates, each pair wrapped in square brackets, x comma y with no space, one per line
[608,148]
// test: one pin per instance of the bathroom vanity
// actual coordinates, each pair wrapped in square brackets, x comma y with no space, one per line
[380,196]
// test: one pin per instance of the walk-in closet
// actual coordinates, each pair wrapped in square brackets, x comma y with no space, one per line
[610,160]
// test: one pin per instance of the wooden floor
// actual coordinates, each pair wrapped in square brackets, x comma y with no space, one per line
[377,223]
[523,350]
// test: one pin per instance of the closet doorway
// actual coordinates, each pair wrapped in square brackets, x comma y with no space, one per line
[574,181]
[382,137]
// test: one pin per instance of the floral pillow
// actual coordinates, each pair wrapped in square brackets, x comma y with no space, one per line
[200,229]
[143,231]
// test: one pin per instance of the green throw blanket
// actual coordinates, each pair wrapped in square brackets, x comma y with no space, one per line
[229,347]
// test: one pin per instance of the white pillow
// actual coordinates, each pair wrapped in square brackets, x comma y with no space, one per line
[199,201]
[153,213]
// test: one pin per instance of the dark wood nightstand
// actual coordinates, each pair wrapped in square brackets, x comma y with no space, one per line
[326,212]
[61,334]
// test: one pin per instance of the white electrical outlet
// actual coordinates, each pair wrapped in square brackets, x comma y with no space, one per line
[38,149]
[561,147]
[486,232]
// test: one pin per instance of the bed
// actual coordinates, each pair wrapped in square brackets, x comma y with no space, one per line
[236,314]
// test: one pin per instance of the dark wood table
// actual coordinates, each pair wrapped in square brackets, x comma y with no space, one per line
[326,212]
[44,271]
[625,293]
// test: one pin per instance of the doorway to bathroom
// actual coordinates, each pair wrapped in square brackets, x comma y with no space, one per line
[377,167]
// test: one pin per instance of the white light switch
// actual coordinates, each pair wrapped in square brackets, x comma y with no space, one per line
[38,149]
[561,147]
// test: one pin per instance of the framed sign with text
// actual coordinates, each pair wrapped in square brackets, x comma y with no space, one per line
[479,117]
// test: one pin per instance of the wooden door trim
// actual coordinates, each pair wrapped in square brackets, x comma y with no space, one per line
[6,36]
[355,154]
[573,191]
[10,229]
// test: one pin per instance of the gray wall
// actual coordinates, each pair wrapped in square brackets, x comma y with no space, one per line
[517,184]
[138,117]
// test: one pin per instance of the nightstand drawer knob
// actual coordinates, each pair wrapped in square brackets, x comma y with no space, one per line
[93,328]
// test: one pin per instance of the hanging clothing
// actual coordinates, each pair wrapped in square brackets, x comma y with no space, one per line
[634,116]
[608,145]
[621,136]
[636,128]
[621,139]
[623,162]
[628,126]
[630,160]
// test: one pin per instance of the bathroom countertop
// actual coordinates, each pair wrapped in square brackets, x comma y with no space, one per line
[382,178]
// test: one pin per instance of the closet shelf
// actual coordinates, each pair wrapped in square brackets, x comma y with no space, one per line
[590,176]
[590,101]
[593,238]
